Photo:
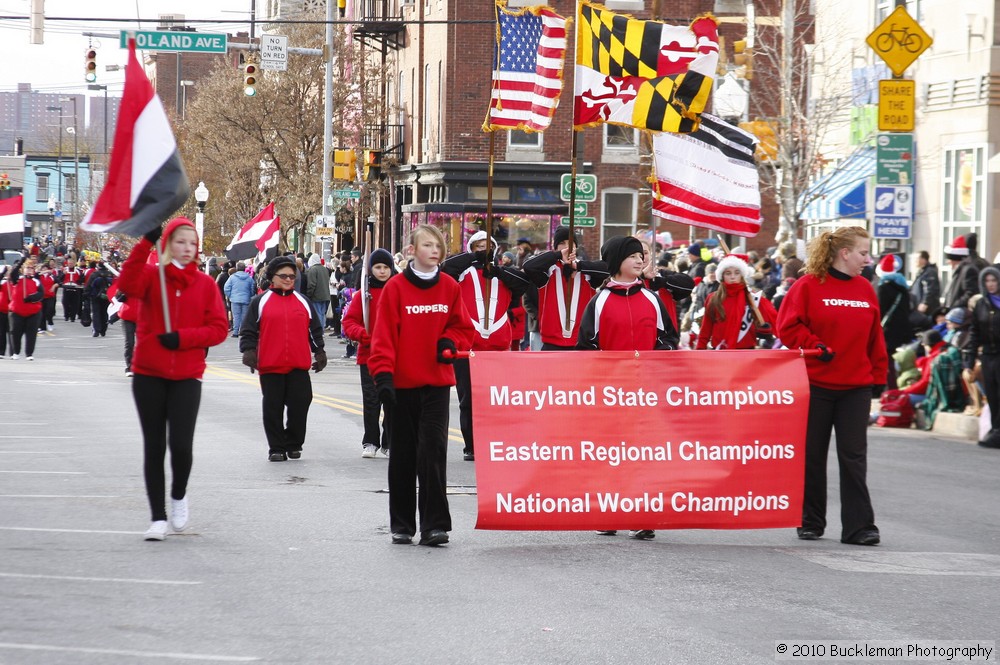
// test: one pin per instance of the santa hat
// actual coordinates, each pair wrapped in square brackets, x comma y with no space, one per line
[957,250]
[476,237]
[617,249]
[889,263]
[738,261]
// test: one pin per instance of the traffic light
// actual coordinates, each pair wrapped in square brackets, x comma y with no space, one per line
[342,6]
[90,65]
[344,165]
[372,164]
[250,79]
[4,181]
[743,58]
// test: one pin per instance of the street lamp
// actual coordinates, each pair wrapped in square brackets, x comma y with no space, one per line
[185,84]
[76,161]
[201,197]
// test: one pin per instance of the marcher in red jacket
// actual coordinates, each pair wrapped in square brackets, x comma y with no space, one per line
[49,278]
[834,309]
[282,338]
[72,288]
[25,308]
[380,268]
[5,298]
[729,322]
[421,316]
[169,361]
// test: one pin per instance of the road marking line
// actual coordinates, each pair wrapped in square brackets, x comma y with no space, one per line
[62,473]
[34,452]
[36,437]
[58,496]
[124,652]
[25,528]
[71,578]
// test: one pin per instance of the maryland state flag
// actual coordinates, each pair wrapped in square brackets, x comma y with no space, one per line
[643,74]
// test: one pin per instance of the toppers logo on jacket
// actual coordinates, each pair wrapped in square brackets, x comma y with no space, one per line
[840,302]
[426,309]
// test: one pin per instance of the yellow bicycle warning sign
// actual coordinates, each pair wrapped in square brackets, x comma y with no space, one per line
[899,40]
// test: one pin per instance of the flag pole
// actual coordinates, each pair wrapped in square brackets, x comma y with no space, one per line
[489,233]
[163,287]
[567,286]
[366,251]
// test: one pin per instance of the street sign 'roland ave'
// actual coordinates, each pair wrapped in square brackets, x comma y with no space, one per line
[172,40]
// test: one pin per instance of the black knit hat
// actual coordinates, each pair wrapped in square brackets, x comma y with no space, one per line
[561,235]
[617,250]
[276,264]
[383,257]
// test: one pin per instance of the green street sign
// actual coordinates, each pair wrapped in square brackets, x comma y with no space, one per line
[171,40]
[586,187]
[346,194]
[894,159]
[579,222]
[580,210]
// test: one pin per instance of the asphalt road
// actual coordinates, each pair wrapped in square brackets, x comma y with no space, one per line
[291,562]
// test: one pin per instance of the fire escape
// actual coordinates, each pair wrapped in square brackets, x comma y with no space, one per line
[381,31]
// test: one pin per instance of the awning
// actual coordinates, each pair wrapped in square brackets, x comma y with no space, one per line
[841,193]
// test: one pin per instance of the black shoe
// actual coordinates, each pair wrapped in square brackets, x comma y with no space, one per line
[277,457]
[434,537]
[96,334]
[642,534]
[606,533]
[469,457]
[403,539]
[809,533]
[864,537]
[294,454]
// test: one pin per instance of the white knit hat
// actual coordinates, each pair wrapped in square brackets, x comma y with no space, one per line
[738,261]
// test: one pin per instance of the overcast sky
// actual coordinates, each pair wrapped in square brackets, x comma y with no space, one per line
[57,65]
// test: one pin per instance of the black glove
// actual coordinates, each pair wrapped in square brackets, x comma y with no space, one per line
[386,390]
[481,256]
[877,390]
[250,359]
[154,235]
[446,344]
[319,361]
[491,270]
[764,330]
[827,354]
[170,340]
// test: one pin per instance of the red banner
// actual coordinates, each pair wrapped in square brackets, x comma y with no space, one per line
[653,440]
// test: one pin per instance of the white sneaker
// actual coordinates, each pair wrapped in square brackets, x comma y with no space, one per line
[128,373]
[156,531]
[179,514]
[51,328]
[30,358]
[384,452]
[369,451]
[13,356]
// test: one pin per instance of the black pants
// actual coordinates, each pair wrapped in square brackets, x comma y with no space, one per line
[99,315]
[168,411]
[71,304]
[4,332]
[129,328]
[26,326]
[48,312]
[292,391]
[463,385]
[991,387]
[846,413]
[419,452]
[546,346]
[370,401]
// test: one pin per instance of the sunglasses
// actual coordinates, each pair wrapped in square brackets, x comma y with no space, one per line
[285,276]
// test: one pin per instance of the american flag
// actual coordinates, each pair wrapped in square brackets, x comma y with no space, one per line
[528,67]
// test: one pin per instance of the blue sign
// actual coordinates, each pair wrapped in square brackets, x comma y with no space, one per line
[893,211]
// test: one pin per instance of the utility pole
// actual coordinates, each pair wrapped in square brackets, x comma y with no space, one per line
[327,107]
[786,147]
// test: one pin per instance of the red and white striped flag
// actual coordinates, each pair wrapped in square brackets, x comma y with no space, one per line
[146,179]
[527,68]
[267,244]
[244,243]
[708,178]
[12,223]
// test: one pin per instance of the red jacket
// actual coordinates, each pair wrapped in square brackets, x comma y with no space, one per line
[413,314]
[283,328]
[626,318]
[196,313]
[556,294]
[5,296]
[736,331]
[26,296]
[919,387]
[49,285]
[844,316]
[354,321]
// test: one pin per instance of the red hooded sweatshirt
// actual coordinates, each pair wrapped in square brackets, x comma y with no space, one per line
[196,312]
[736,331]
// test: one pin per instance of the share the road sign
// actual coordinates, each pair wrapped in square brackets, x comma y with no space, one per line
[170,40]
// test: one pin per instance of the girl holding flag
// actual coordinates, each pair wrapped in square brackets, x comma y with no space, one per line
[730,320]
[169,357]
